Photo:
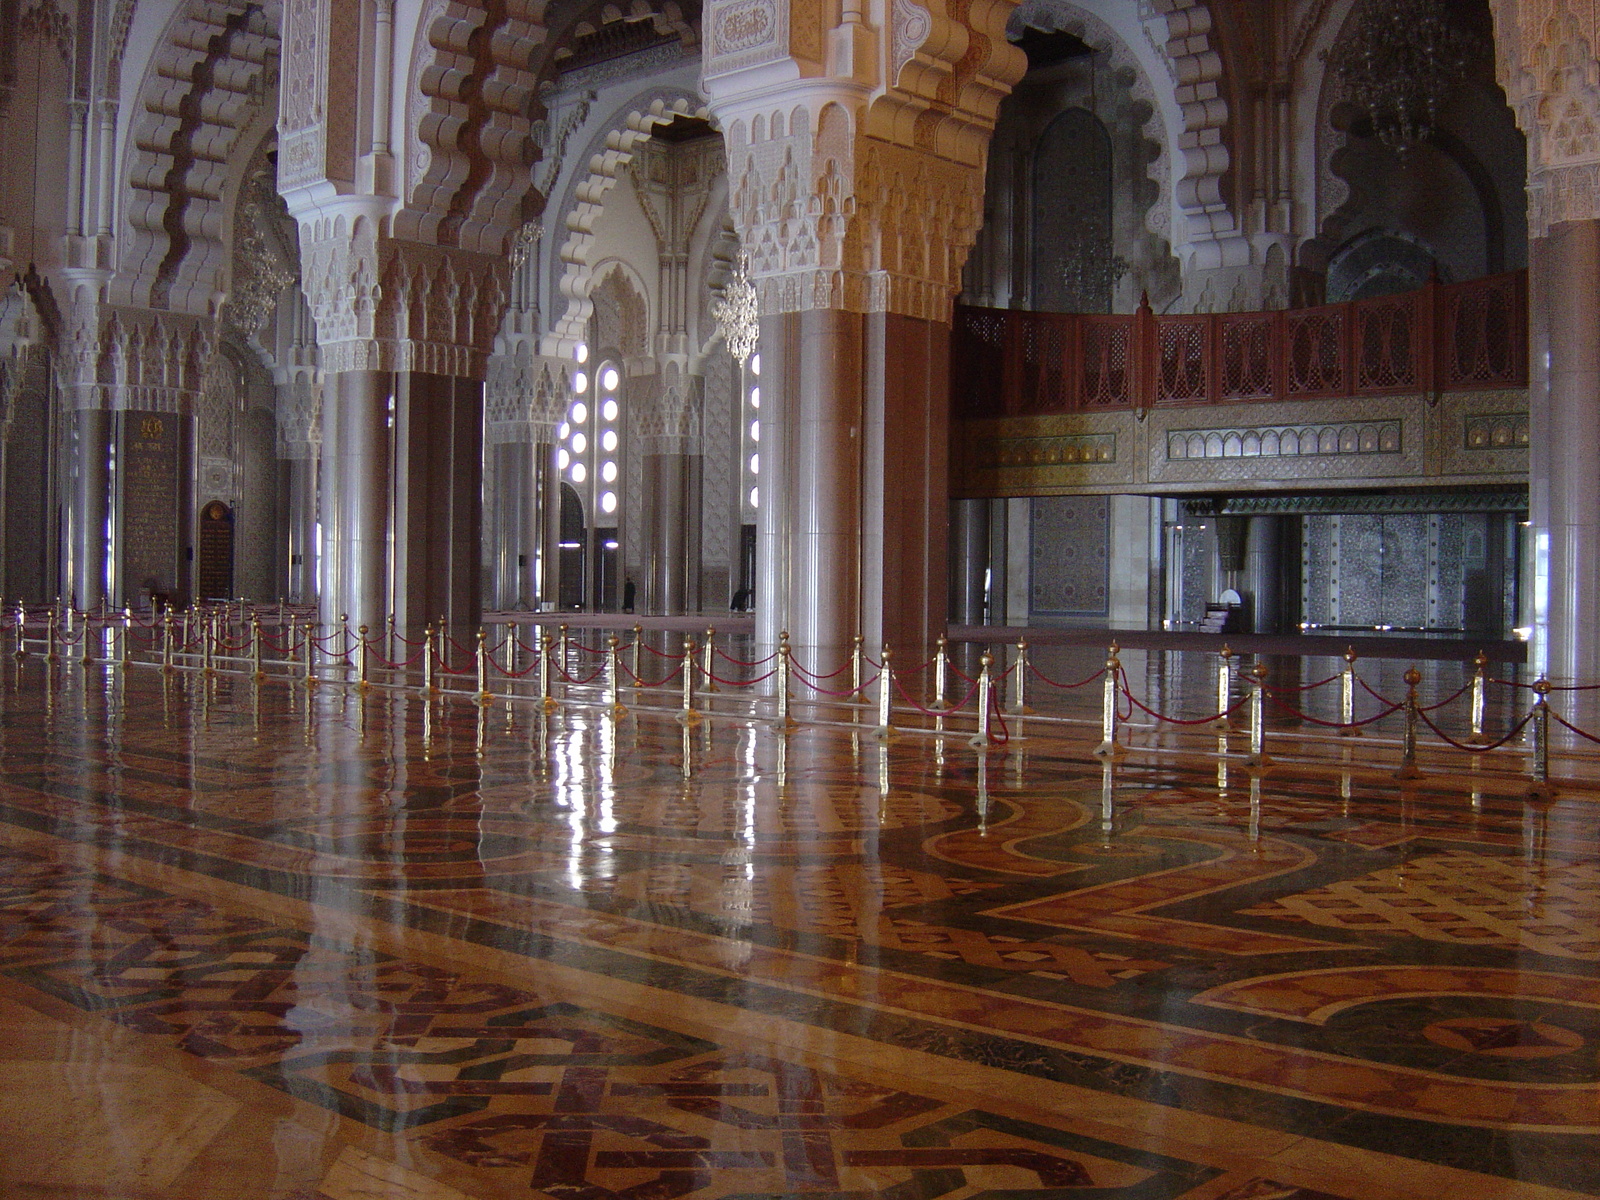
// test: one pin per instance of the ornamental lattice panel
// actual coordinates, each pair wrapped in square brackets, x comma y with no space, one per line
[1181,357]
[1315,361]
[1386,358]
[1246,366]
[1107,373]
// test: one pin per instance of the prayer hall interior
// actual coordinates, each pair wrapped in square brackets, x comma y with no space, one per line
[799,598]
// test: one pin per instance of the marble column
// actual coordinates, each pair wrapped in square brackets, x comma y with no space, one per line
[88,508]
[809,537]
[438,498]
[854,521]
[1564,411]
[356,483]
[301,489]
[969,560]
[669,487]
[1263,569]
[517,522]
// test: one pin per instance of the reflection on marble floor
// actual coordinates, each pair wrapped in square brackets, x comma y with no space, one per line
[265,943]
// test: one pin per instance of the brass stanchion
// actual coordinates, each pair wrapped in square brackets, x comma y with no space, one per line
[344,637]
[1224,723]
[1408,751]
[22,632]
[546,700]
[886,694]
[638,633]
[784,667]
[389,640]
[857,653]
[563,651]
[208,645]
[50,637]
[483,667]
[361,660]
[166,640]
[613,671]
[1020,704]
[707,663]
[1480,687]
[1347,696]
[1258,717]
[428,686]
[127,634]
[1542,788]
[1108,747]
[985,688]
[689,716]
[86,657]
[257,670]
[941,669]
[294,632]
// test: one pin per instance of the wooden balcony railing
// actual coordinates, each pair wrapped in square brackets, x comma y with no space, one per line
[1441,338]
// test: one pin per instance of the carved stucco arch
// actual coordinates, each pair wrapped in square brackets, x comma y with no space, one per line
[608,153]
[1063,15]
[207,99]
[471,104]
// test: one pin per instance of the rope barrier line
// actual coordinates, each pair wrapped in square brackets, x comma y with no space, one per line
[1175,720]
[1559,720]
[1467,687]
[1515,730]
[1569,687]
[933,712]
[830,675]
[739,662]
[1304,687]
[1361,724]
[1064,687]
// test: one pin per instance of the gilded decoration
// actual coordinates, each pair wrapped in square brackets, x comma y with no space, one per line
[1465,438]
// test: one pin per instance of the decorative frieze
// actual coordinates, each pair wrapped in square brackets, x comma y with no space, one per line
[1045,451]
[1496,431]
[1286,441]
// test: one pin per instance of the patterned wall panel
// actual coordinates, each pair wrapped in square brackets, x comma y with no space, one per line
[1071,556]
[1319,548]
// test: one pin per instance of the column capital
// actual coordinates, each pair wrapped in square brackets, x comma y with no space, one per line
[856,151]
[1545,61]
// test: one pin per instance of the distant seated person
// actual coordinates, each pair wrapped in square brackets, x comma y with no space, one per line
[743,600]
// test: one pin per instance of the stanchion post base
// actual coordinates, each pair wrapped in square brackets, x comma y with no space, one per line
[692,717]
[1408,771]
[1110,750]
[1258,764]
[1543,789]
[484,699]
[1022,710]
[1222,725]
[884,733]
[618,711]
[1349,731]
[549,705]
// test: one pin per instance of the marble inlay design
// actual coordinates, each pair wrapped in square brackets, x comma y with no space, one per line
[1286,441]
[583,955]
[1465,898]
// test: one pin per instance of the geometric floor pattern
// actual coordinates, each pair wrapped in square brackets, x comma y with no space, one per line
[342,948]
[1464,898]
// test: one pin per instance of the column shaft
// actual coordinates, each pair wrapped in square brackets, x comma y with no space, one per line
[438,501]
[969,560]
[89,508]
[357,478]
[1565,420]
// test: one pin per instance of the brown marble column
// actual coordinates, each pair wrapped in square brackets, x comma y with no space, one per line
[1564,404]
[854,519]
[438,498]
[671,503]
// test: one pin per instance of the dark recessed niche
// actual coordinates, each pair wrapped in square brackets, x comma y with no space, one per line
[1046,48]
[683,129]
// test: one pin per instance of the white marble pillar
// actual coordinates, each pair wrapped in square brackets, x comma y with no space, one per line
[1564,403]
[969,560]
[356,481]
[89,500]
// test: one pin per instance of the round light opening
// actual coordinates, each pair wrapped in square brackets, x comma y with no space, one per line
[609,379]
[608,502]
[565,428]
[608,410]
[581,353]
[579,443]
[755,397]
[580,413]
[579,473]
[755,364]
[562,459]
[608,440]
[755,464]
[755,431]
[755,496]
[608,471]
[580,382]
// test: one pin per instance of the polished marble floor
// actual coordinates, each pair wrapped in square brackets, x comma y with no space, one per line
[310,944]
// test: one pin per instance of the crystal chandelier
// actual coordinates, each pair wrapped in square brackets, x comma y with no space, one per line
[1400,62]
[736,313]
